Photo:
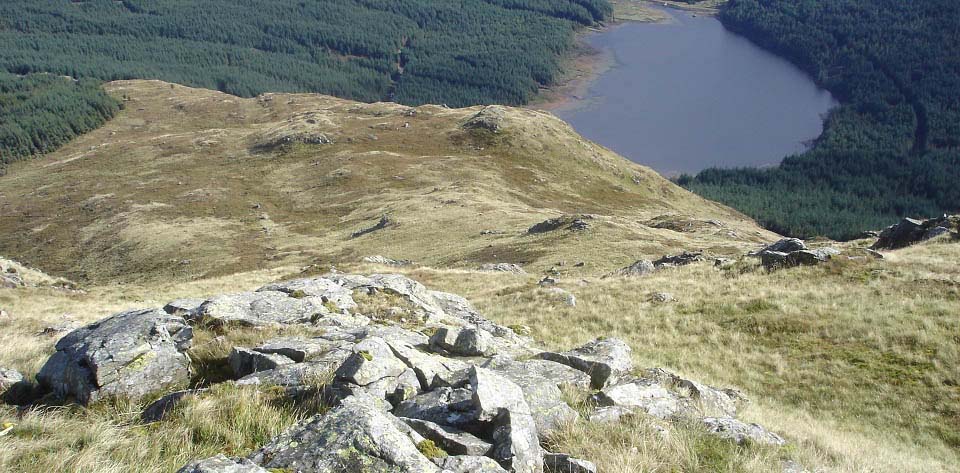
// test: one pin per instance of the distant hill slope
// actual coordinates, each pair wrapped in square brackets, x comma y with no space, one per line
[410,51]
[185,183]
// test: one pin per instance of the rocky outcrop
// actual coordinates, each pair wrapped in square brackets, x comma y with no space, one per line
[129,354]
[638,268]
[791,252]
[451,392]
[605,360]
[565,222]
[384,222]
[683,259]
[911,231]
[355,436]
[378,259]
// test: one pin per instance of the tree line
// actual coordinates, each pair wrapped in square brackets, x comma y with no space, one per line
[891,149]
[455,52]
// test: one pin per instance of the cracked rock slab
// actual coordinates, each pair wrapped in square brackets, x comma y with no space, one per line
[606,360]
[264,308]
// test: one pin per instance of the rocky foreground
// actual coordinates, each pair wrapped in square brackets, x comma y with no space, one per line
[416,380]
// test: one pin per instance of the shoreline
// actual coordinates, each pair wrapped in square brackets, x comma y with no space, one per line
[586,63]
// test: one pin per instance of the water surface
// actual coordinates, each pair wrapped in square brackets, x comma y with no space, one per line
[688,94]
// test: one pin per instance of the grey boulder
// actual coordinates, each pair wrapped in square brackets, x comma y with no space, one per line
[262,308]
[129,354]
[469,464]
[464,342]
[741,432]
[563,463]
[501,402]
[8,378]
[452,440]
[244,361]
[606,360]
[222,464]
[354,436]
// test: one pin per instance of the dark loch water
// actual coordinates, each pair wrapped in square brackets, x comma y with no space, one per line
[688,95]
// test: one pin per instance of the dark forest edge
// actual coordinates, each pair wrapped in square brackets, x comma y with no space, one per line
[409,51]
[41,112]
[891,149]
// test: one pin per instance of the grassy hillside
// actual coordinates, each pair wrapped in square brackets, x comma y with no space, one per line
[186,183]
[190,193]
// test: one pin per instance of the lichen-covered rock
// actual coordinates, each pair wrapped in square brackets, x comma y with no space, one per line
[432,370]
[261,308]
[222,464]
[710,401]
[563,463]
[129,354]
[464,342]
[540,381]
[299,349]
[372,360]
[500,401]
[244,361]
[327,289]
[646,395]
[452,440]
[785,245]
[309,373]
[741,432]
[445,406]
[606,360]
[355,436]
[468,464]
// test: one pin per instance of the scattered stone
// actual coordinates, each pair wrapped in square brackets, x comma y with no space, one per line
[222,464]
[503,268]
[606,360]
[740,432]
[384,222]
[355,436]
[129,354]
[564,295]
[724,262]
[464,342]
[786,245]
[661,297]
[8,378]
[159,409]
[777,260]
[639,268]
[682,259]
[378,259]
[547,281]
[244,361]
[568,222]
[563,463]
